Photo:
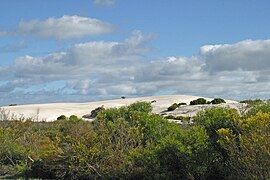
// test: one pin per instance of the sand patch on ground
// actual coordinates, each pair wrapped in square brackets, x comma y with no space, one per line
[50,112]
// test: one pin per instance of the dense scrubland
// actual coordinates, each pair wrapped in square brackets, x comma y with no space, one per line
[133,143]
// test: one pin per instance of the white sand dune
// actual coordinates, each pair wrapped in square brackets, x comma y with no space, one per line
[49,112]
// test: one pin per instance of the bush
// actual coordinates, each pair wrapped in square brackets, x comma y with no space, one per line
[173,107]
[215,118]
[198,101]
[95,112]
[249,150]
[132,143]
[182,104]
[176,117]
[129,113]
[261,107]
[62,117]
[252,102]
[170,117]
[218,101]
[73,118]
[141,107]
[212,120]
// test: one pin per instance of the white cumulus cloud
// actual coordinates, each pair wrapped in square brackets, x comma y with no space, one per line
[108,69]
[248,55]
[65,27]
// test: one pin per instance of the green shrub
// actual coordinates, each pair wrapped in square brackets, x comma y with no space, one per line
[252,102]
[11,152]
[215,118]
[132,143]
[182,104]
[261,107]
[198,101]
[130,113]
[218,101]
[170,117]
[62,117]
[95,111]
[175,117]
[173,107]
[141,107]
[249,150]
[179,117]
[73,118]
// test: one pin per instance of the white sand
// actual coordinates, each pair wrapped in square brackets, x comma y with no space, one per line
[49,112]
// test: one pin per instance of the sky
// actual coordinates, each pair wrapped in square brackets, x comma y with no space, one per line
[90,50]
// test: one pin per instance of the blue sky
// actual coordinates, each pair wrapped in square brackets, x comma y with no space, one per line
[83,50]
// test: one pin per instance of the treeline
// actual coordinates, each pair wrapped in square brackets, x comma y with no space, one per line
[133,143]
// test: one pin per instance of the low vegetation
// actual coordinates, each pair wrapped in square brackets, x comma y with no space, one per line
[182,104]
[175,106]
[198,101]
[180,118]
[218,101]
[133,143]
[95,112]
[252,102]
[62,117]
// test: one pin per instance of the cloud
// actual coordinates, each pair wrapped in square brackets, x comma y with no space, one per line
[246,55]
[97,62]
[65,27]
[82,59]
[104,2]
[109,69]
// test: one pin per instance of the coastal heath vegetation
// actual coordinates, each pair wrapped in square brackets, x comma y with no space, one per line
[133,143]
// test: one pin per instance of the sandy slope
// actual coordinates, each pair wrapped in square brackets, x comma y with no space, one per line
[50,112]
